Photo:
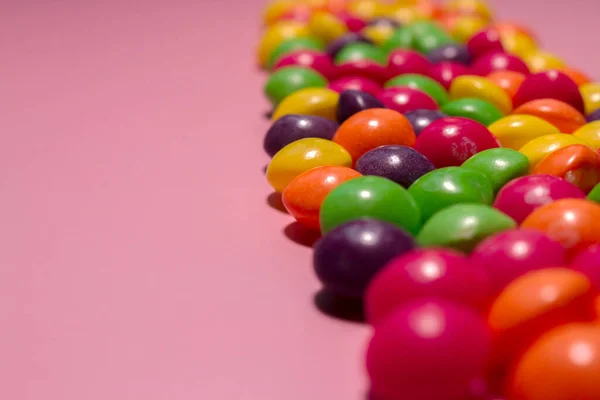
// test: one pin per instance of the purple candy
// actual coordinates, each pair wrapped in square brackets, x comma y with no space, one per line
[290,128]
[457,53]
[347,257]
[353,101]
[401,164]
[594,116]
[334,47]
[421,119]
[588,263]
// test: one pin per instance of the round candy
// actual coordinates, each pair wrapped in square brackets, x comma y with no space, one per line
[370,196]
[275,10]
[356,83]
[337,45]
[572,222]
[576,164]
[379,34]
[286,81]
[290,45]
[353,22]
[485,41]
[446,72]
[311,101]
[298,12]
[304,195]
[591,96]
[435,37]
[372,128]
[566,118]
[355,101]
[515,131]
[590,133]
[475,109]
[364,68]
[400,39]
[316,60]
[383,21]
[537,149]
[278,33]
[407,62]
[521,196]
[421,119]
[290,128]
[594,195]
[499,165]
[301,156]
[465,26]
[540,60]
[510,81]
[347,257]
[423,342]
[588,263]
[498,61]
[404,99]
[469,7]
[570,355]
[358,51]
[406,14]
[423,83]
[471,86]
[593,116]
[425,273]
[579,77]
[549,85]
[518,43]
[444,187]
[400,164]
[463,226]
[510,254]
[326,26]
[365,9]
[451,52]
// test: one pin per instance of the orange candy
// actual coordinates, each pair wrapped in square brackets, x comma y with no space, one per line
[372,128]
[304,195]
[507,28]
[576,75]
[510,81]
[572,222]
[577,164]
[566,118]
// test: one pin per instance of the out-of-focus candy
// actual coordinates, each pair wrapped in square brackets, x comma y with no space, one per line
[379,33]
[372,128]
[576,164]
[591,96]
[475,109]
[520,197]
[363,68]
[290,128]
[442,188]
[275,9]
[508,255]
[499,165]
[370,196]
[337,45]
[463,226]
[286,81]
[365,9]
[312,101]
[511,28]
[407,62]
[510,81]
[299,12]
[578,76]
[278,33]
[346,258]
[304,195]
[594,195]
[356,83]
[588,263]
[446,72]
[400,164]
[421,119]
[515,131]
[313,59]
[422,83]
[549,85]
[469,7]
[353,22]
[590,133]
[326,26]
[354,101]
[471,86]
[466,26]
[593,116]
[406,14]
[484,41]
[301,156]
[418,331]
[537,149]
[451,141]
[498,61]
[560,114]
[540,60]
[401,38]
[360,51]
[450,53]
[518,43]
[431,40]
[291,45]
[404,99]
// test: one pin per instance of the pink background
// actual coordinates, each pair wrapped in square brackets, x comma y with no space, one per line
[138,256]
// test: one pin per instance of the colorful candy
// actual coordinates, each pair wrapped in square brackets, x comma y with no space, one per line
[421,119]
[326,26]
[450,53]
[499,165]
[591,97]
[498,61]
[320,102]
[316,60]
[510,81]
[355,101]
[291,127]
[564,117]
[475,109]
[422,83]
[278,33]
[355,83]
[540,60]
[515,131]
[358,51]
[407,62]
[288,80]
[290,45]
[405,99]
[549,85]
[446,72]
[590,133]
[470,86]
[537,149]
[485,41]
[337,45]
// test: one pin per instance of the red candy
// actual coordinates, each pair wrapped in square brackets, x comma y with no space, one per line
[550,85]
[363,68]
[356,83]
[588,263]
[405,99]
[484,42]
[445,72]
[316,60]
[407,62]
[353,23]
[498,61]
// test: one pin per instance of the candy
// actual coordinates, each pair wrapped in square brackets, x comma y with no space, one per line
[379,33]
[515,131]
[521,196]
[372,128]
[346,258]
[407,62]
[400,164]
[540,60]
[422,83]
[446,72]
[483,42]
[542,146]
[301,156]
[298,12]
[313,59]
[591,96]
[286,81]
[423,273]
[579,77]
[594,195]
[370,196]
[356,83]
[549,85]
[588,263]
[566,118]
[337,45]
[570,355]
[423,342]
[406,14]
[518,43]
[466,26]
[444,187]
[383,21]
[499,165]
[304,195]
[363,68]
[471,86]
[510,81]
[290,128]
[404,99]
[590,133]
[450,52]
[400,39]
[276,9]
[576,164]
[593,116]
[365,9]
[360,51]
[431,39]
[475,109]
[470,7]
[421,119]
[290,45]
[326,26]
[320,102]
[572,222]
[354,23]
[354,101]
[278,33]
[498,61]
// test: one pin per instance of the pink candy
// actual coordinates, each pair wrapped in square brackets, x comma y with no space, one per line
[356,83]
[316,60]
[549,85]
[498,61]
[588,263]
[484,42]
[404,99]
[445,72]
[407,62]
[363,68]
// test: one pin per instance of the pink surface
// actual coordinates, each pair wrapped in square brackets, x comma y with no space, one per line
[139,259]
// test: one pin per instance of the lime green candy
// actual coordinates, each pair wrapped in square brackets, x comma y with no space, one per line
[475,109]
[499,165]
[290,45]
[595,194]
[370,196]
[361,51]
[463,226]
[422,83]
[428,36]
[288,80]
[402,38]
[444,187]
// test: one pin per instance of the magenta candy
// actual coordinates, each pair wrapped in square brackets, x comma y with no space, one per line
[588,263]
[407,62]
[485,41]
[451,141]
[498,61]
[353,23]
[404,99]
[425,273]
[427,349]
[316,60]
[445,72]
[549,85]
[510,254]
[356,83]
[363,68]
[519,197]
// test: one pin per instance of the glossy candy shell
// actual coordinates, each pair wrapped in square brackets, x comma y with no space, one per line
[321,102]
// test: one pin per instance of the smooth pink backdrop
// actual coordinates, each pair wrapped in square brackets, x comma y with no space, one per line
[138,256]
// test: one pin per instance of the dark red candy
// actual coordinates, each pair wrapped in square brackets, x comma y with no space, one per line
[498,61]
[485,41]
[549,85]
[445,72]
[404,99]
[316,60]
[363,68]
[407,62]
[356,83]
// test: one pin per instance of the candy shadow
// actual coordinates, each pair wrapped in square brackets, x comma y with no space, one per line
[346,309]
[301,235]
[274,201]
[268,114]
[264,169]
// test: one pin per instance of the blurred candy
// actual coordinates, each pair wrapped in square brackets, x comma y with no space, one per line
[304,195]
[404,99]
[430,40]
[588,263]
[290,128]
[483,42]
[401,38]
[510,81]
[512,28]
[313,59]
[291,45]
[299,12]
[421,119]
[471,86]
[590,133]
[370,196]
[422,83]
[593,116]
[576,164]
[400,164]
[301,156]
[515,131]
[278,33]
[520,197]
[451,52]
[518,43]
[549,85]
[566,118]
[356,83]
[337,45]
[498,61]
[499,165]
[326,26]
[578,76]
[540,60]
[475,109]
[591,96]
[360,51]
[379,33]
[537,149]
[312,101]
[594,195]
[346,258]
[353,22]
[463,226]
[407,62]
[465,26]
[363,68]
[365,9]
[354,101]
[275,9]
[469,7]
[286,81]
[446,72]
[383,21]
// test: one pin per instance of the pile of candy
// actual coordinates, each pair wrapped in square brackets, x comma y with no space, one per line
[452,168]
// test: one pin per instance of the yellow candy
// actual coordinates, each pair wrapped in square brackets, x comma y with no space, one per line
[539,148]
[276,34]
[469,6]
[378,34]
[276,9]
[590,133]
[466,26]
[519,44]
[404,14]
[364,9]
[326,26]
[515,131]
[591,96]
[311,101]
[480,88]
[541,60]
[302,155]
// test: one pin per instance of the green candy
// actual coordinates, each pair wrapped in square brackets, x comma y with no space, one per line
[370,196]
[288,80]
[291,45]
[475,109]
[428,36]
[463,226]
[361,51]
[499,165]
[595,194]
[402,38]
[444,187]
[422,83]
